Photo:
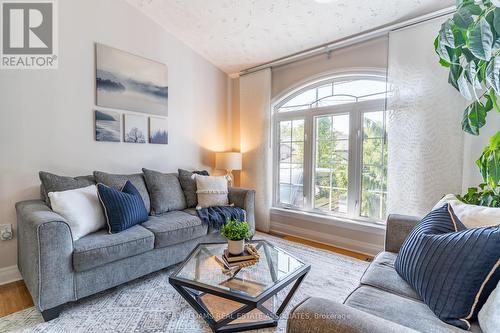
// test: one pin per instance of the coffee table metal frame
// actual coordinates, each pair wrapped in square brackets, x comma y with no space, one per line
[192,292]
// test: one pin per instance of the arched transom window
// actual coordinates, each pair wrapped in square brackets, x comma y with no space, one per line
[330,155]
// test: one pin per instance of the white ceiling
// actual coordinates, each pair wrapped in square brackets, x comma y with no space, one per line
[237,34]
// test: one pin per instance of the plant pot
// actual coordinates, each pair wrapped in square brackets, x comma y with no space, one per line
[235,247]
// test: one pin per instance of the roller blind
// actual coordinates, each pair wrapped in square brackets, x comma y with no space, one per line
[255,114]
[425,150]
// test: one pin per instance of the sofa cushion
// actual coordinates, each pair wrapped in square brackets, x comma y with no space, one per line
[188,185]
[117,182]
[175,227]
[54,183]
[123,209]
[165,190]
[401,310]
[381,274]
[452,268]
[101,247]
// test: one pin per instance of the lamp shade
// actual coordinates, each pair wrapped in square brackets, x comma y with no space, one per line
[228,161]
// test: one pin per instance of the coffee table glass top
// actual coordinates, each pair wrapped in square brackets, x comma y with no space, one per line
[274,266]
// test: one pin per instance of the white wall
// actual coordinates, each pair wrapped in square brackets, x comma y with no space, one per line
[47,116]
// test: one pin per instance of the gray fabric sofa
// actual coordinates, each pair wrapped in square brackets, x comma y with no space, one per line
[58,270]
[382,303]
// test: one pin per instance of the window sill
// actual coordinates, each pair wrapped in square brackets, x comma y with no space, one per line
[342,222]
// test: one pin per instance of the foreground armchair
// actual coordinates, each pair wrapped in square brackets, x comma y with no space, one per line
[383,302]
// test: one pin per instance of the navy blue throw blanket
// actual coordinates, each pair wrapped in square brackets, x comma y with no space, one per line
[217,216]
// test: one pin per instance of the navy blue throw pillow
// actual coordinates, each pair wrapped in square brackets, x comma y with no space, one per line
[123,209]
[452,268]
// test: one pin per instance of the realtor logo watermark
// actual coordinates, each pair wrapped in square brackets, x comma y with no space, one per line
[29,34]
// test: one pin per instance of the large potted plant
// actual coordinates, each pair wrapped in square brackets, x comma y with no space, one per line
[469,45]
[236,232]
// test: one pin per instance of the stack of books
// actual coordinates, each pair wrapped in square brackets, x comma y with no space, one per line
[249,257]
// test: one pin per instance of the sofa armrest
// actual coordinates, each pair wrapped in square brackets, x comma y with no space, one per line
[319,315]
[45,250]
[244,198]
[398,228]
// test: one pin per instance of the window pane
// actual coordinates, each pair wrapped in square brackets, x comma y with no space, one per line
[336,93]
[291,159]
[374,166]
[285,131]
[331,165]
[359,88]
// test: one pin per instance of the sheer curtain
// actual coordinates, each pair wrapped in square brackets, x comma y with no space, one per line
[255,114]
[425,151]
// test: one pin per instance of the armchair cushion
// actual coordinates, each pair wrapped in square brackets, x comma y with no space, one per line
[382,275]
[452,268]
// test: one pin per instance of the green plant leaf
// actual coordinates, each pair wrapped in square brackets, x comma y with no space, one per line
[455,73]
[446,36]
[461,3]
[481,40]
[442,51]
[493,74]
[492,98]
[489,162]
[496,20]
[463,87]
[474,118]
[472,75]
[463,17]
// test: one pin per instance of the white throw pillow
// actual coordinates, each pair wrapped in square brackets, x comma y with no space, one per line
[81,209]
[472,216]
[489,315]
[211,191]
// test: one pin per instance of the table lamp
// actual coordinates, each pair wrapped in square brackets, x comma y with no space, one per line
[228,161]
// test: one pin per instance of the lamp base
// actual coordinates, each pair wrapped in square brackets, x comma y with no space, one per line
[230,178]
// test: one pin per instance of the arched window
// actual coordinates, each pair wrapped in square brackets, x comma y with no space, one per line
[330,154]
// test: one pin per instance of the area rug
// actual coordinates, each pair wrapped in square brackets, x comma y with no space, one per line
[150,304]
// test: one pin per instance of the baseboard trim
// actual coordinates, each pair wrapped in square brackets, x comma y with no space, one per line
[328,239]
[9,274]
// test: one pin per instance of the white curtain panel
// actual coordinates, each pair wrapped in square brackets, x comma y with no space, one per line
[255,114]
[425,150]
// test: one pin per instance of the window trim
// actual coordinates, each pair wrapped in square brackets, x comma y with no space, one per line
[355,111]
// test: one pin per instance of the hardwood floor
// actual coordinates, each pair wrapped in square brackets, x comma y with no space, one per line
[15,296]
[338,250]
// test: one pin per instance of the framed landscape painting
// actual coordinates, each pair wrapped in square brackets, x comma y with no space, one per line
[107,126]
[135,128]
[158,130]
[129,82]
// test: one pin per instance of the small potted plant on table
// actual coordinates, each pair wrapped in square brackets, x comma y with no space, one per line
[236,232]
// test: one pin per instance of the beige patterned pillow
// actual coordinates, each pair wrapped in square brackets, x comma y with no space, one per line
[211,191]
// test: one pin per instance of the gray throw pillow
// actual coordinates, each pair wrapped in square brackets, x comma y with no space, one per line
[54,183]
[117,182]
[165,190]
[188,185]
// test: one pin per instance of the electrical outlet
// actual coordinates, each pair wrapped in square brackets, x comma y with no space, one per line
[5,232]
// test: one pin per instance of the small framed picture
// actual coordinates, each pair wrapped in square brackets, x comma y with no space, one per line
[107,126]
[135,128]
[158,130]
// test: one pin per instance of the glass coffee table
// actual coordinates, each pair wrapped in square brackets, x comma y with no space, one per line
[243,299]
